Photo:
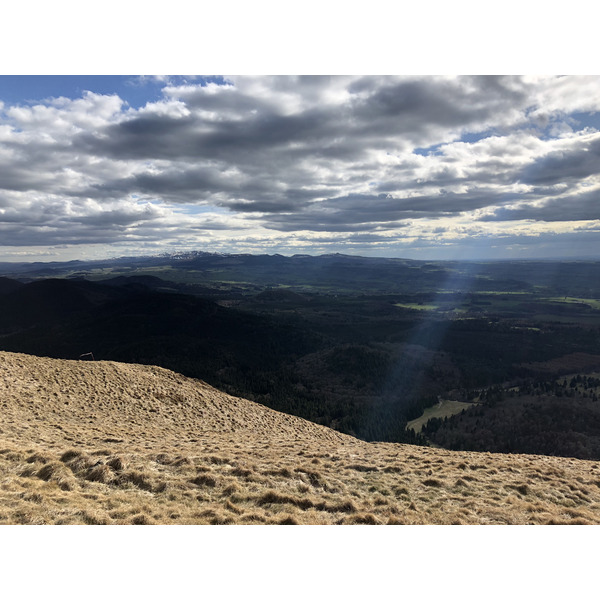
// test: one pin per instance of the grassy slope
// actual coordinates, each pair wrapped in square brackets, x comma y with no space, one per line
[115,443]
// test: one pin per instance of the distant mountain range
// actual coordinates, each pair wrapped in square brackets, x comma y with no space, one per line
[331,273]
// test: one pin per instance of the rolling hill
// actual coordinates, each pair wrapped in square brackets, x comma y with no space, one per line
[112,443]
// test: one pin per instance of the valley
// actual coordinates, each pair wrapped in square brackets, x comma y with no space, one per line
[364,346]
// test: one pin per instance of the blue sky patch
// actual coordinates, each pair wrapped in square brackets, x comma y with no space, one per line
[135,90]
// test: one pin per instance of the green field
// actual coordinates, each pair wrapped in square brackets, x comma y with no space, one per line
[417,305]
[445,408]
[592,303]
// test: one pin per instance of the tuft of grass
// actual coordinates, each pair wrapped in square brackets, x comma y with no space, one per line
[204,480]
[82,463]
[33,497]
[52,471]
[272,497]
[141,519]
[94,518]
[38,457]
[232,507]
[362,468]
[139,479]
[391,469]
[117,463]
[58,473]
[101,474]
[164,459]
[396,521]
[69,455]
[221,519]
[217,460]
[232,488]
[522,489]
[432,483]
[288,520]
[362,519]
[314,478]
[282,472]
[240,472]
[253,518]
[347,507]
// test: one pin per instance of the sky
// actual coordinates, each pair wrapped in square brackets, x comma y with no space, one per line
[98,161]
[417,166]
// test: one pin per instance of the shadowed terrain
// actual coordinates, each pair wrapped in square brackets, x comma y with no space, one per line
[112,443]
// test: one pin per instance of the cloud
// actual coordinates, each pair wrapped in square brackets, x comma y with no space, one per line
[417,108]
[575,163]
[270,156]
[584,206]
[352,212]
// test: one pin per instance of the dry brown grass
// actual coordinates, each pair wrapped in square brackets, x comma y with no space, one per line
[110,443]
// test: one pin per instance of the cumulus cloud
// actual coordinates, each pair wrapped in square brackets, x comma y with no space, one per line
[584,206]
[571,164]
[263,157]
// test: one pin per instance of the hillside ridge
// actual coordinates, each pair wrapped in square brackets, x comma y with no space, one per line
[114,443]
[67,392]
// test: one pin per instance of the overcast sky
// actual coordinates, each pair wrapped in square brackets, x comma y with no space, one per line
[414,166]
